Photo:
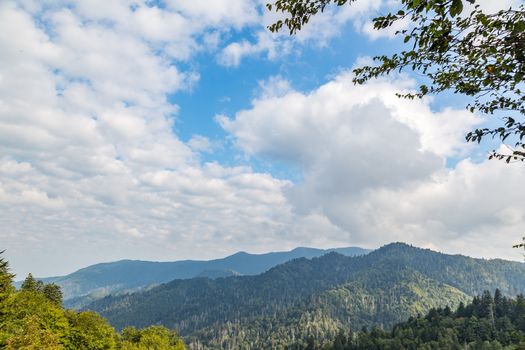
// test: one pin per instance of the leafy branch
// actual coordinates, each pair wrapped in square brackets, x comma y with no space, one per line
[478,55]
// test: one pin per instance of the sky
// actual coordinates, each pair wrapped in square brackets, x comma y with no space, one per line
[168,130]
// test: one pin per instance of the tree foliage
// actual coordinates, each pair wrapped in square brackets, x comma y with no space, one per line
[457,47]
[53,293]
[6,277]
[34,319]
[150,338]
[6,289]
[31,284]
[90,331]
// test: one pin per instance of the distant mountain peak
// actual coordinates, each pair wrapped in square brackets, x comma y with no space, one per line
[304,248]
[241,253]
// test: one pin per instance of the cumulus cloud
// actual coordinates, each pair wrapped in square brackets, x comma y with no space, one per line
[374,166]
[274,121]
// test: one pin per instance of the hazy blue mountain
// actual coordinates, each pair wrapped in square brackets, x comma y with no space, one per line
[99,280]
[312,297]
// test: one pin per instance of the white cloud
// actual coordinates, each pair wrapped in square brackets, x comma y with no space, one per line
[275,86]
[232,54]
[276,121]
[489,6]
[374,167]
[472,208]
[200,143]
[236,13]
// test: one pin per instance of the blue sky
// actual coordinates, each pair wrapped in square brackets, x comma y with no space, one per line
[173,130]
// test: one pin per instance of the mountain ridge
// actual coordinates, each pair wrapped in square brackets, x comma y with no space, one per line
[383,287]
[124,275]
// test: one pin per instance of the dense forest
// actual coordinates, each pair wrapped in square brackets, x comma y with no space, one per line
[316,297]
[487,323]
[33,318]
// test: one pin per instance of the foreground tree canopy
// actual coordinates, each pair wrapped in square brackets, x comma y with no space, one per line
[33,318]
[457,47]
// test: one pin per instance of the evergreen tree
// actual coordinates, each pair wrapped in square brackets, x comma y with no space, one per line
[340,341]
[519,312]
[461,311]
[6,278]
[499,303]
[6,289]
[31,284]
[53,293]
[310,343]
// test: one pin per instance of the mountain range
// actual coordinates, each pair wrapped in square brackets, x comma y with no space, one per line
[312,297]
[96,281]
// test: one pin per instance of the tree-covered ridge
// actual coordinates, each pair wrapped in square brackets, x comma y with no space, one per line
[33,318]
[488,322]
[470,275]
[313,297]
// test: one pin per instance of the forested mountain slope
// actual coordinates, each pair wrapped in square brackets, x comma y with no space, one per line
[101,279]
[488,323]
[318,296]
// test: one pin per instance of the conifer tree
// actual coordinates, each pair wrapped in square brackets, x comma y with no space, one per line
[53,293]
[6,278]
[30,284]
[6,288]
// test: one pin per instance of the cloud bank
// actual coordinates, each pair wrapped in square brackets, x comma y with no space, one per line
[90,168]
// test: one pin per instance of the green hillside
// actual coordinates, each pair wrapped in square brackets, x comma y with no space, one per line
[317,297]
[487,323]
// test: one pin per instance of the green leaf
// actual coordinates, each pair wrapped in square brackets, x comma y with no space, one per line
[456,7]
[519,26]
